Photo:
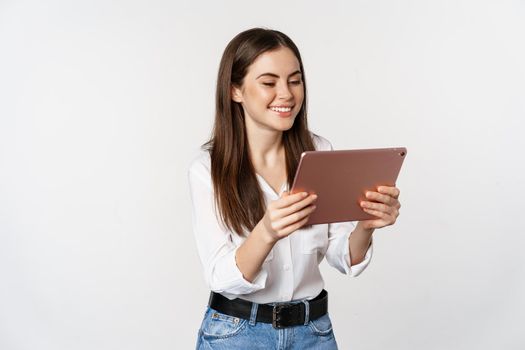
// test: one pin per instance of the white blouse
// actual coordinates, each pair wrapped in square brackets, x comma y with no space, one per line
[291,270]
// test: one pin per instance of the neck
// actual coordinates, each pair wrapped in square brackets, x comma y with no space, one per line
[266,146]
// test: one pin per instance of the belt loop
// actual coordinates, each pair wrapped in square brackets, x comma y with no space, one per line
[306,311]
[253,314]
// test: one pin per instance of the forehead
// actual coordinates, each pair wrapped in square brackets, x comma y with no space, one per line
[281,61]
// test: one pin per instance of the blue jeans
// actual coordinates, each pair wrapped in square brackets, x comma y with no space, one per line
[220,331]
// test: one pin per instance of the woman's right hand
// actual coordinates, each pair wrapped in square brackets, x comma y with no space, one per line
[287,214]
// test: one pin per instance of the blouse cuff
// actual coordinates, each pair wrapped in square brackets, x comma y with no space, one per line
[355,270]
[227,278]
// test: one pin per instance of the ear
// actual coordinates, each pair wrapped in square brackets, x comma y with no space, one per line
[236,94]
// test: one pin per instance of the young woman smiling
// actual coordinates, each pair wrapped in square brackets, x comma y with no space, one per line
[260,261]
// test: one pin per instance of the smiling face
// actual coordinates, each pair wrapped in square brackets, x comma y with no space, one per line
[272,92]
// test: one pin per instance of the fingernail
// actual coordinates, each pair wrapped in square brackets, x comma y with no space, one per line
[304,194]
[314,196]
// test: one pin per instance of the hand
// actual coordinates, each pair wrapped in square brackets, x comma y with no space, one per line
[287,214]
[385,206]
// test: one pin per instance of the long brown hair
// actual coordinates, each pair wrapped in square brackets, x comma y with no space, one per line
[237,193]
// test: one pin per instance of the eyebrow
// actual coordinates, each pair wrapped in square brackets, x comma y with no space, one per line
[276,76]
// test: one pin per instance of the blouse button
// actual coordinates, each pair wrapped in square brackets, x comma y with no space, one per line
[286,267]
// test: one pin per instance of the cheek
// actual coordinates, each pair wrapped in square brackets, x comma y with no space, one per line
[259,95]
[298,92]
[299,96]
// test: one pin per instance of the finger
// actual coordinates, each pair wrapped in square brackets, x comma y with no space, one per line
[289,199]
[378,213]
[297,206]
[295,217]
[378,206]
[384,218]
[391,191]
[393,212]
[292,228]
[373,224]
[382,198]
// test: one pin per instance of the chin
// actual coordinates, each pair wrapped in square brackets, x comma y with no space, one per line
[285,127]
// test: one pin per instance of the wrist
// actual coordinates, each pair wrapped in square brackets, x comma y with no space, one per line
[363,230]
[361,235]
[264,235]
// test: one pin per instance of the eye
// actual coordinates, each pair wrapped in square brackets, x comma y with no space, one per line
[268,83]
[295,82]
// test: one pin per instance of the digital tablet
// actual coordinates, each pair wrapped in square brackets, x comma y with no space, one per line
[341,178]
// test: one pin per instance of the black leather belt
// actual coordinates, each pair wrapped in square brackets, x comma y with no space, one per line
[281,315]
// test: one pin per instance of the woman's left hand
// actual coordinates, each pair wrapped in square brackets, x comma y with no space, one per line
[384,204]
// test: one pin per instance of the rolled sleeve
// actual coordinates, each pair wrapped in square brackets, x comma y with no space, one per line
[224,276]
[216,245]
[338,252]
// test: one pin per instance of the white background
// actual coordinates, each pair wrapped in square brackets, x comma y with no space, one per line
[103,105]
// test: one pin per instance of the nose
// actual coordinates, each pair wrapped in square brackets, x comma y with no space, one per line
[284,92]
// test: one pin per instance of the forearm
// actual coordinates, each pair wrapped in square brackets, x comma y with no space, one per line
[252,252]
[359,242]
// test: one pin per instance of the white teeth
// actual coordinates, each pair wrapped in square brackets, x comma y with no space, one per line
[281,109]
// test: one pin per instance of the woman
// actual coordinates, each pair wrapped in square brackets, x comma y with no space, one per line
[260,262]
